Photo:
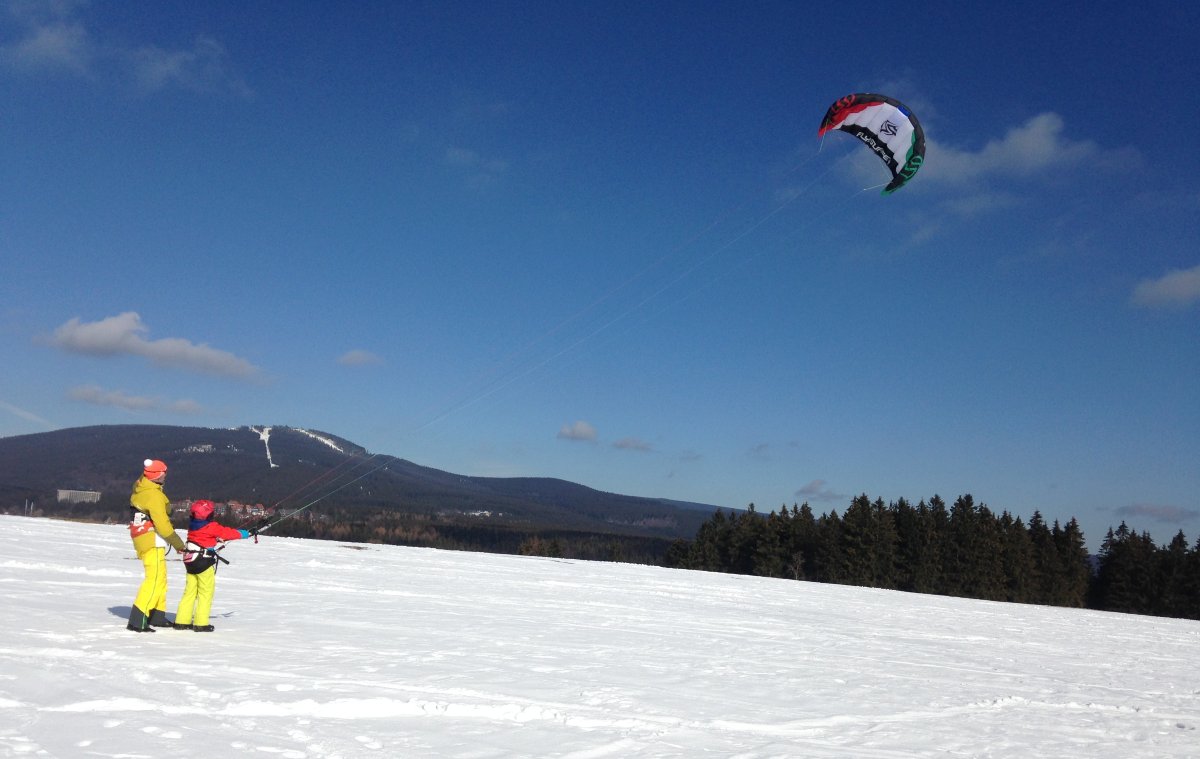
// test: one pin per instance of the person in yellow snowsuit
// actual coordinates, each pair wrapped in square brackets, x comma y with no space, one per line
[151,530]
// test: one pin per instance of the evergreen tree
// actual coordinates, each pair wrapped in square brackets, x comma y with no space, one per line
[1191,608]
[1173,578]
[705,552]
[940,516]
[886,544]
[989,557]
[677,554]
[802,543]
[918,552]
[1020,572]
[1075,566]
[766,559]
[1125,579]
[748,531]
[831,559]
[1045,561]
[908,537]
[858,543]
[959,548]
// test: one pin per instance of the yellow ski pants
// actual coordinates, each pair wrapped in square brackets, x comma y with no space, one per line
[197,598]
[152,594]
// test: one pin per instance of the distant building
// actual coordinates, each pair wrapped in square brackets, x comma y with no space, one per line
[78,496]
[184,508]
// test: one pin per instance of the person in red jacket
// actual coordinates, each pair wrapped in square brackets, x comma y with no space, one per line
[204,533]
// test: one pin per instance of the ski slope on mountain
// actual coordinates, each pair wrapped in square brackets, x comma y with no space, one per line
[325,649]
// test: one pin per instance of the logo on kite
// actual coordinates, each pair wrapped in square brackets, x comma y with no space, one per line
[886,126]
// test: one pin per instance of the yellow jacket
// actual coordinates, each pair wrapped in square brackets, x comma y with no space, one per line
[151,517]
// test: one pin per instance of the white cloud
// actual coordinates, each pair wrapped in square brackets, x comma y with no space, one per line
[28,416]
[123,335]
[1179,288]
[54,46]
[982,202]
[632,444]
[99,397]
[204,68]
[183,406]
[115,398]
[359,357]
[580,431]
[472,160]
[481,171]
[1168,514]
[816,490]
[54,39]
[461,157]
[1037,146]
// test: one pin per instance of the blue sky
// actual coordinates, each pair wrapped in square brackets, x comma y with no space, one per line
[601,242]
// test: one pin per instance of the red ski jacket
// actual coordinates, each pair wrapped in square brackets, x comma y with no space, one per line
[206,533]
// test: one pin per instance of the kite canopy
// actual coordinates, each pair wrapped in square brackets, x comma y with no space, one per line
[886,126]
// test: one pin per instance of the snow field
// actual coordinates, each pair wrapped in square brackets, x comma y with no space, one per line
[325,649]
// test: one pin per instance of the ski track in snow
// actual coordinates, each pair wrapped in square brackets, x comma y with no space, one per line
[320,438]
[391,651]
[265,435]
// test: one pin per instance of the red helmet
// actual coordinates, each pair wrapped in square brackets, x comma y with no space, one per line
[202,509]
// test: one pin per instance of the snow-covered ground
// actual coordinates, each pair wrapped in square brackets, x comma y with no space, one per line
[325,649]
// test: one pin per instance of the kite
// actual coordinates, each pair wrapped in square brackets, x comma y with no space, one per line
[886,126]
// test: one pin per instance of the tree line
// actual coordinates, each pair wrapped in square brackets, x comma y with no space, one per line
[364,524]
[964,550]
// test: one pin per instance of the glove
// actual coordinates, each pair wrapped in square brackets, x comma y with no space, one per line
[245,533]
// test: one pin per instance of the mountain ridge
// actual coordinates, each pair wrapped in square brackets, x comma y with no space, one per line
[290,466]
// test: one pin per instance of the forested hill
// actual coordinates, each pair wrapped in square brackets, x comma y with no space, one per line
[964,549]
[289,466]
